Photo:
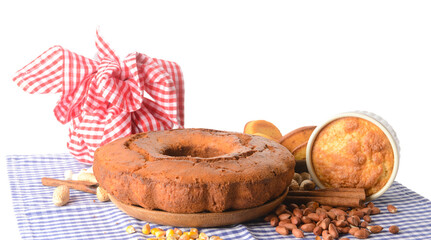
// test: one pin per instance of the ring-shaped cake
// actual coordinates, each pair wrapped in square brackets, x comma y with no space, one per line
[194,170]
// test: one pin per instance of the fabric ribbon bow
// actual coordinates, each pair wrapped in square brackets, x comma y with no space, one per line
[106,98]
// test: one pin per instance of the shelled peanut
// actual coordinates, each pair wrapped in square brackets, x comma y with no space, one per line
[325,222]
[172,234]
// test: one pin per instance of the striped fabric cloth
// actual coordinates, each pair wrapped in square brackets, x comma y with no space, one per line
[84,217]
[106,98]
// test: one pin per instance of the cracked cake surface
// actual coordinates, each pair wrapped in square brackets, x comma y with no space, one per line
[194,170]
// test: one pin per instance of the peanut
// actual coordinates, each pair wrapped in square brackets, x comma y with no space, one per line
[338,211]
[375,228]
[331,215]
[308,227]
[274,221]
[295,220]
[325,223]
[284,216]
[297,233]
[307,211]
[326,235]
[392,209]
[354,220]
[313,216]
[353,230]
[363,224]
[282,230]
[268,218]
[361,234]
[306,219]
[333,231]
[61,195]
[297,212]
[289,226]
[394,229]
[367,218]
[343,229]
[88,177]
[313,205]
[281,209]
[102,194]
[317,231]
[328,222]
[375,210]
[340,223]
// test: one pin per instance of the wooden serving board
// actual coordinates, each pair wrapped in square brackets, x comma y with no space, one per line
[198,219]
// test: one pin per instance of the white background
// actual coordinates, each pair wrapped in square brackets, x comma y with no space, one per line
[291,63]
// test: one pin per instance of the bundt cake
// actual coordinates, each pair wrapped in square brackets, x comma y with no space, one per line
[194,170]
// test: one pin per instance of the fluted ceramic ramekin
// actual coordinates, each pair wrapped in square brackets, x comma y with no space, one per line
[379,122]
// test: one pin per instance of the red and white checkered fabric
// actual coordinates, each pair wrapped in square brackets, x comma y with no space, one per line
[107,98]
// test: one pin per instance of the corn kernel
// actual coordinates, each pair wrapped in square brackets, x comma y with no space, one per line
[160,234]
[146,229]
[174,237]
[193,235]
[195,230]
[215,238]
[154,230]
[185,236]
[203,236]
[170,232]
[130,229]
[178,231]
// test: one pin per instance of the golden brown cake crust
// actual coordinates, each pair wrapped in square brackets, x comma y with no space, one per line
[353,152]
[194,170]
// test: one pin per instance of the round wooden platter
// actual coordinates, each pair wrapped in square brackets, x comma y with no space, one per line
[198,219]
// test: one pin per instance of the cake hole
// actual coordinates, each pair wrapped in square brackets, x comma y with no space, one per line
[192,151]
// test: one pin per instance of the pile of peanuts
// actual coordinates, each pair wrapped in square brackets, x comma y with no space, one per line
[172,234]
[302,181]
[326,222]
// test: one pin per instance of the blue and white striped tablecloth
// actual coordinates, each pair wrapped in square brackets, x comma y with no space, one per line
[84,217]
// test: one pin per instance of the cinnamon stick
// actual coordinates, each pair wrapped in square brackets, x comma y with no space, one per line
[342,189]
[77,185]
[358,193]
[327,200]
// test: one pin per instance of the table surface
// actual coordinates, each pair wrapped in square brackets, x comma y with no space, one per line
[84,217]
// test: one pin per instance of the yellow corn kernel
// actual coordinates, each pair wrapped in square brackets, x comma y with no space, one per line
[178,231]
[215,238]
[174,237]
[146,229]
[195,230]
[130,229]
[203,236]
[160,234]
[193,235]
[185,236]
[170,232]
[154,230]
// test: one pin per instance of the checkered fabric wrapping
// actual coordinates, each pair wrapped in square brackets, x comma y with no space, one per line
[84,217]
[103,99]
